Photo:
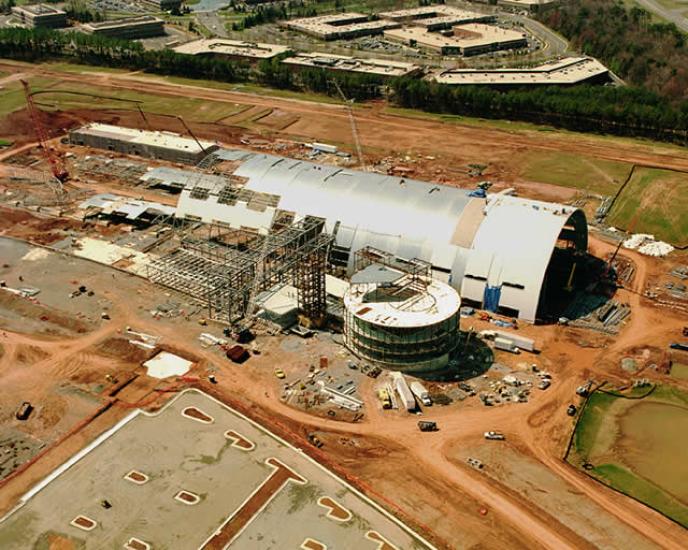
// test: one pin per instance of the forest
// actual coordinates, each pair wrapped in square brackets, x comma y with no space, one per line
[627,111]
[644,53]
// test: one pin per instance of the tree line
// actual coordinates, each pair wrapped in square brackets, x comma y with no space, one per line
[627,111]
[269,13]
[647,54]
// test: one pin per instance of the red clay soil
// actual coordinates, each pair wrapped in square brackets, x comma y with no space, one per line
[313,545]
[250,508]
[137,477]
[84,522]
[384,545]
[188,497]
[239,440]
[336,511]
[193,412]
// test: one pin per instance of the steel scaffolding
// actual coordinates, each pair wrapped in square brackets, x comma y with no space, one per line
[218,266]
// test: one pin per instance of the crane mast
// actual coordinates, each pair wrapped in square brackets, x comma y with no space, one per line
[56,165]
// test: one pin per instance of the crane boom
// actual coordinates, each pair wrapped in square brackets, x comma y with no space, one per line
[56,165]
[191,133]
[352,121]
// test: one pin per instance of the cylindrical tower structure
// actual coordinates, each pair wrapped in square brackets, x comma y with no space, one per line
[414,328]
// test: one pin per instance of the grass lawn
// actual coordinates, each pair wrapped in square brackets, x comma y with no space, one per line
[12,96]
[213,84]
[627,482]
[636,446]
[656,202]
[76,68]
[598,176]
[191,108]
[467,121]
[590,423]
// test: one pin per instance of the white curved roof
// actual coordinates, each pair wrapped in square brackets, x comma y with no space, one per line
[498,240]
[399,215]
[515,243]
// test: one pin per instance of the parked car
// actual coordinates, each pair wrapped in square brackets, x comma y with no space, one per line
[279,373]
[475,463]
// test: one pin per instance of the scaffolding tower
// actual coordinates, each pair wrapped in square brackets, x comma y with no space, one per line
[222,267]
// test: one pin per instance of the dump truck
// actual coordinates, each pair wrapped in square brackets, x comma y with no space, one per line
[24,411]
[421,393]
[405,395]
[385,399]
[427,426]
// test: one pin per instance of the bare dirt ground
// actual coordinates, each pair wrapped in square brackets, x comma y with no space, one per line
[416,475]
[431,149]
[410,472]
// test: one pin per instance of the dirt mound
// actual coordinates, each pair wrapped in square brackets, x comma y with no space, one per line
[18,126]
[10,218]
[28,355]
[121,349]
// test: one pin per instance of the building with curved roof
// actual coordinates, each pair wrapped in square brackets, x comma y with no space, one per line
[498,251]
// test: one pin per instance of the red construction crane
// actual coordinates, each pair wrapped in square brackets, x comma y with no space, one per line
[56,164]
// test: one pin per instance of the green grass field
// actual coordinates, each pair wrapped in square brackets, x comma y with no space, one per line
[597,176]
[655,202]
[191,108]
[12,96]
[637,446]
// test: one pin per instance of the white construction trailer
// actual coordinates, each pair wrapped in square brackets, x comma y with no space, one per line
[405,396]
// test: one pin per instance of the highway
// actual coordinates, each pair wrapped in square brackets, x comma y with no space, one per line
[673,16]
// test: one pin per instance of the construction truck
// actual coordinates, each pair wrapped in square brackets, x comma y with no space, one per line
[584,390]
[427,426]
[421,393]
[385,399]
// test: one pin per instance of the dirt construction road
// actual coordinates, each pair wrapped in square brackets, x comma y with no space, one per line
[380,131]
[446,495]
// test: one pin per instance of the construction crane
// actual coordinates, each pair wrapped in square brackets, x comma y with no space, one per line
[143,116]
[56,164]
[354,130]
[191,133]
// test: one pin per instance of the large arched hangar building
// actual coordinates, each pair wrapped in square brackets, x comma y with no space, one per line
[501,252]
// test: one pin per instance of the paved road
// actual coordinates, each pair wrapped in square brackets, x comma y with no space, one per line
[555,45]
[673,16]
[213,22]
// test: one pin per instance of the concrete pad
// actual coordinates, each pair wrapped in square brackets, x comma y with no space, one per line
[166,364]
[255,491]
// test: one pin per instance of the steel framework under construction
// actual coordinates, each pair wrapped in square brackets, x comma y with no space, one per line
[225,268]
